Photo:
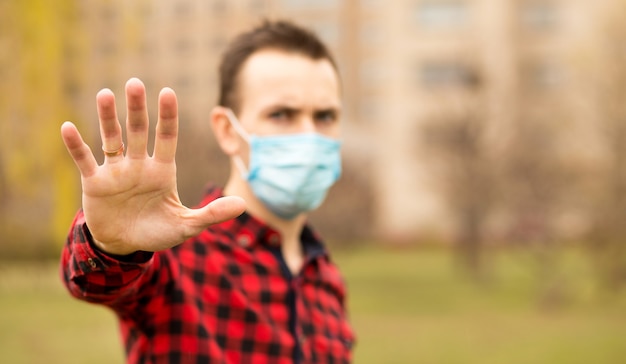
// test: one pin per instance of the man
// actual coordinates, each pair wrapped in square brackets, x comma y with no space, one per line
[217,284]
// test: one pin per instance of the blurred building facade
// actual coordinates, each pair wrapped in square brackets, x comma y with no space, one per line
[401,62]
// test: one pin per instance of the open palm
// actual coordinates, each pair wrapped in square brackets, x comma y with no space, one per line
[131,201]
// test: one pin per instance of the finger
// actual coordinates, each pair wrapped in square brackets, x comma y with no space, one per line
[219,210]
[80,152]
[137,123]
[167,127]
[110,129]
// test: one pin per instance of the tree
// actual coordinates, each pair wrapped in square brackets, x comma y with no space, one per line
[456,140]
[39,63]
[607,89]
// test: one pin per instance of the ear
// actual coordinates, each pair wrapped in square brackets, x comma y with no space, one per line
[226,135]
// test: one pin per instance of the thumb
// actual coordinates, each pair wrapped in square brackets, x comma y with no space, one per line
[218,210]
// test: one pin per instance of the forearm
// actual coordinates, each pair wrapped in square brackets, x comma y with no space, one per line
[94,276]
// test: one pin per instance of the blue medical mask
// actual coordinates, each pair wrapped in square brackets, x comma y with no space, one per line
[290,174]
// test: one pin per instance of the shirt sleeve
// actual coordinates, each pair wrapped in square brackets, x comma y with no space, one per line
[93,276]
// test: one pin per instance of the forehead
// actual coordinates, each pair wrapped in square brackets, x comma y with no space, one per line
[271,77]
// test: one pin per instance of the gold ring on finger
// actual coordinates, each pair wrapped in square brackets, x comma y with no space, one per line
[114,153]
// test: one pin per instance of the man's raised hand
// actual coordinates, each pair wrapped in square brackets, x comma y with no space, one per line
[131,201]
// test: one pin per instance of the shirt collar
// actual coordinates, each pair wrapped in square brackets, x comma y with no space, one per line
[248,230]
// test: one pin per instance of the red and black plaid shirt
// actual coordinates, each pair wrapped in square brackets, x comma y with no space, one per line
[225,296]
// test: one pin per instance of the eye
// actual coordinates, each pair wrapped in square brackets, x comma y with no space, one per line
[281,115]
[326,116]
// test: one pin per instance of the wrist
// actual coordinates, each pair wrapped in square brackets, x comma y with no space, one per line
[112,249]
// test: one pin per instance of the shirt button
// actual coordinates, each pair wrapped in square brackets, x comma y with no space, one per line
[243,240]
[92,263]
[274,240]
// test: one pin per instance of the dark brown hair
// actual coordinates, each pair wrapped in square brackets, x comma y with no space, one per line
[279,35]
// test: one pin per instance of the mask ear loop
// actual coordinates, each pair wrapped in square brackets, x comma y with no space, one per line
[243,171]
[230,115]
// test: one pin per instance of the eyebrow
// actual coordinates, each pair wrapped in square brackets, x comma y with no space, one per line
[295,109]
[329,110]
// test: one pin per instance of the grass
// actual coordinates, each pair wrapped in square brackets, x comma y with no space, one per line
[40,323]
[407,306]
[415,307]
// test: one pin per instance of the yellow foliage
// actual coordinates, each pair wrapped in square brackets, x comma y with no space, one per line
[41,188]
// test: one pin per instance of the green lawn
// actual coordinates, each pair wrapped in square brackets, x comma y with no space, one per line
[408,306]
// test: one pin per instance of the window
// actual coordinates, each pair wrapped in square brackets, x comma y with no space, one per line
[183,45]
[182,9]
[372,73]
[109,13]
[327,31]
[107,48]
[145,10]
[217,42]
[543,75]
[442,14]
[446,74]
[539,15]
[219,6]
[309,4]
[370,109]
[372,34]
[256,6]
[147,48]
[183,83]
[372,4]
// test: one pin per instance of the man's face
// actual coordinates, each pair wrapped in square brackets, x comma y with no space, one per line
[284,93]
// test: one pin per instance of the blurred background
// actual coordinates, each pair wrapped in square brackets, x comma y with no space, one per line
[481,214]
